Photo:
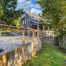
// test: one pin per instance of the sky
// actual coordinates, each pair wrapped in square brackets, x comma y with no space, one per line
[29,5]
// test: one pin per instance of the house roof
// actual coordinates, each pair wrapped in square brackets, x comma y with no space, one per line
[32,17]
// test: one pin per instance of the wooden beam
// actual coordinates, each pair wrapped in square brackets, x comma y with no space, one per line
[18,28]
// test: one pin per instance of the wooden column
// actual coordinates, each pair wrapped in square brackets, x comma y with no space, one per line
[33,36]
[23,47]
[38,34]
[43,30]
[3,60]
[38,27]
[25,23]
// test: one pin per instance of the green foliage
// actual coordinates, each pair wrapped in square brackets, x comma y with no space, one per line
[55,10]
[10,16]
[17,22]
[1,11]
[8,4]
[9,12]
[47,56]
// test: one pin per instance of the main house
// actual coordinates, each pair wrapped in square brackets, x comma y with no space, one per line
[29,20]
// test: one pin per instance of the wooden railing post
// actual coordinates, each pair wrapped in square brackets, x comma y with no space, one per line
[4,58]
[23,47]
[43,31]
[38,34]
[22,30]
[33,37]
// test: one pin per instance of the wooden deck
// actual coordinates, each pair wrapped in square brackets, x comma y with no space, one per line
[10,43]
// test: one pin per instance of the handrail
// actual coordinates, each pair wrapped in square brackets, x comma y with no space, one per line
[13,27]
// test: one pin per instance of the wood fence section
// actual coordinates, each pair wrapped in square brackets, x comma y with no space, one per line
[18,28]
[4,58]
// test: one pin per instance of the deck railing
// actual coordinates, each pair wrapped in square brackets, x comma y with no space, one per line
[34,33]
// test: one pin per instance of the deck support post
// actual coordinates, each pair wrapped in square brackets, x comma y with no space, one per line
[3,60]
[33,37]
[38,27]
[43,30]
[23,47]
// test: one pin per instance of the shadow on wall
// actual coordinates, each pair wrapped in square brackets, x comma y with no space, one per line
[51,40]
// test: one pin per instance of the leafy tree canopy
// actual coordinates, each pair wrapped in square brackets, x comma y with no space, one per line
[1,11]
[55,10]
[9,12]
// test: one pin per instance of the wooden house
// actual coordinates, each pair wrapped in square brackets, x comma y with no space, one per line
[29,20]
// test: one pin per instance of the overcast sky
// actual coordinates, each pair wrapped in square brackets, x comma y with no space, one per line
[29,5]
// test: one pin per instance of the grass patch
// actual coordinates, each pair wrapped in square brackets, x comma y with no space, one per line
[48,56]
